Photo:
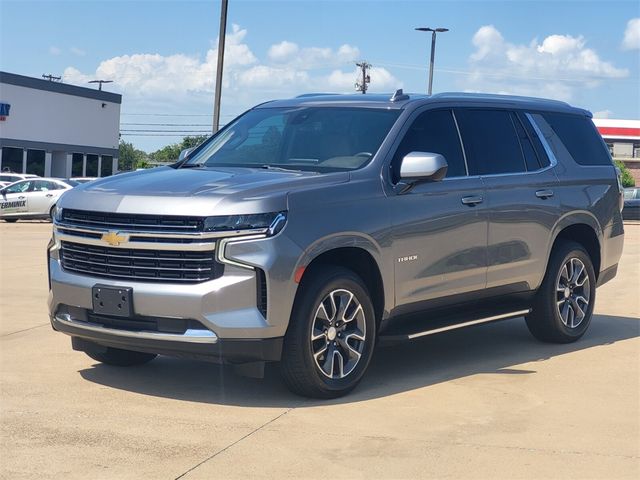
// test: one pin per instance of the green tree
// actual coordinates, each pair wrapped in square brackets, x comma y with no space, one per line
[129,157]
[170,153]
[627,178]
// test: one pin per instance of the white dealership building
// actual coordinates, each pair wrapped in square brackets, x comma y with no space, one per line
[57,130]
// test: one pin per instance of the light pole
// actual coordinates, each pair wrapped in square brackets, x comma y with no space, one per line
[433,49]
[221,41]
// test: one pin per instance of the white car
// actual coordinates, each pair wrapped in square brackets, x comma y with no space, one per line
[15,177]
[31,198]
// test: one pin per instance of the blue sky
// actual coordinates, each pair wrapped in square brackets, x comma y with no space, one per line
[161,54]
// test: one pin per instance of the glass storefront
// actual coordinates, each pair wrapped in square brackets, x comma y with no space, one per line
[92,165]
[12,159]
[35,162]
[106,167]
[76,164]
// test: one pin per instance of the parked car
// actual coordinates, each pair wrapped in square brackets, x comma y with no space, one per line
[31,199]
[5,184]
[15,177]
[83,179]
[631,210]
[309,229]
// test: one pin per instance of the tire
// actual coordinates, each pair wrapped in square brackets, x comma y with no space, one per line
[11,220]
[555,315]
[51,212]
[313,312]
[122,358]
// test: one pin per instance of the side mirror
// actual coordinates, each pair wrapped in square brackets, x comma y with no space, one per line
[184,153]
[423,166]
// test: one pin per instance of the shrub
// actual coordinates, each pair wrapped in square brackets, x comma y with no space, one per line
[627,178]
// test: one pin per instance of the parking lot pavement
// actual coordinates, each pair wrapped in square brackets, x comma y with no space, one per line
[487,402]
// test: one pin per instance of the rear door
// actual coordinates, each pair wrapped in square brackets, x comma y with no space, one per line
[521,189]
[42,196]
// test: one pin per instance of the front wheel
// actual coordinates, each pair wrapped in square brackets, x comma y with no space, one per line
[563,306]
[11,220]
[331,334]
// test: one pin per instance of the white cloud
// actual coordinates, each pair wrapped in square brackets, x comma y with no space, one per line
[77,51]
[553,68]
[603,114]
[282,51]
[53,50]
[631,39]
[182,83]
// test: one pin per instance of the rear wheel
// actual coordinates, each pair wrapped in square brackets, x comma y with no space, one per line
[331,335]
[564,303]
[121,358]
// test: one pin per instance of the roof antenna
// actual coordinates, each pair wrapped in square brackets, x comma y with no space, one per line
[399,95]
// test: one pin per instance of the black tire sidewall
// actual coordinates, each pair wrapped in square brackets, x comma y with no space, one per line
[315,291]
[571,251]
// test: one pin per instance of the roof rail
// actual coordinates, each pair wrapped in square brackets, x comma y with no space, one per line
[304,95]
[399,95]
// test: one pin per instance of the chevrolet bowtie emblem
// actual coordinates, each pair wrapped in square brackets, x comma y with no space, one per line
[114,238]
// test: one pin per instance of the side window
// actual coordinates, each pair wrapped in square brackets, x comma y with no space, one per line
[578,136]
[537,144]
[19,187]
[530,157]
[490,142]
[433,131]
[41,186]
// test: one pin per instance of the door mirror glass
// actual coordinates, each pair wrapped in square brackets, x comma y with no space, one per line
[423,166]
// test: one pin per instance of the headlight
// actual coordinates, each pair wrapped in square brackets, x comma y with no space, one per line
[274,221]
[57,213]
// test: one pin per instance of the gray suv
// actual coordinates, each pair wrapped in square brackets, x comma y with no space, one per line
[309,229]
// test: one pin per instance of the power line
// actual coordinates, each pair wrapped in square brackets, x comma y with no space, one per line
[363,85]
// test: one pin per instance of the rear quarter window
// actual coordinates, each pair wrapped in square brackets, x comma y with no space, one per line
[579,137]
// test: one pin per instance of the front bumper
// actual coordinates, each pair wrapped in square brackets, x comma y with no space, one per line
[195,344]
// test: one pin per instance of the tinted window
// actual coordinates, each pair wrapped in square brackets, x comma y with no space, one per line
[579,137]
[490,142]
[537,144]
[434,132]
[530,157]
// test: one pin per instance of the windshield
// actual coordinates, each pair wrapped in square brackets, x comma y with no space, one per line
[321,139]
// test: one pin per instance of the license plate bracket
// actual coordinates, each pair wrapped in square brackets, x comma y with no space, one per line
[110,300]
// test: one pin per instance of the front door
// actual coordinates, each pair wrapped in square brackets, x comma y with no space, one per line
[14,199]
[440,228]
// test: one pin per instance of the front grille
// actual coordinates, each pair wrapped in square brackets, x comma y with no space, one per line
[121,221]
[182,266]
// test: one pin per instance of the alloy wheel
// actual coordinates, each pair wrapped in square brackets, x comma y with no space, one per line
[338,334]
[573,292]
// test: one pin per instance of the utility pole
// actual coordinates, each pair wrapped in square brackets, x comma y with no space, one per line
[221,40]
[51,78]
[101,82]
[433,50]
[363,84]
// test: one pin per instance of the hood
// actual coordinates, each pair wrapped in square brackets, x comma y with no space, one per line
[195,191]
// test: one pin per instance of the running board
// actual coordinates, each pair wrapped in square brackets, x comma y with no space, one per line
[391,336]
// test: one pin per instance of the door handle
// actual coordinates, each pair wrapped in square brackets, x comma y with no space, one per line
[20,198]
[49,195]
[544,193]
[472,200]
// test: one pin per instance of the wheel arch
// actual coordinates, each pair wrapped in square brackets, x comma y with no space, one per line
[357,255]
[582,228]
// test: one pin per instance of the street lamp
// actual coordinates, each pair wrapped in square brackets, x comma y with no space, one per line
[433,49]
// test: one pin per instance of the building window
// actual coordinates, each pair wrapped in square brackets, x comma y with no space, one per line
[106,168]
[76,165]
[35,162]
[11,159]
[92,165]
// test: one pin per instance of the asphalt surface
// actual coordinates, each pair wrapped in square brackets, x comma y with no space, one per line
[486,402]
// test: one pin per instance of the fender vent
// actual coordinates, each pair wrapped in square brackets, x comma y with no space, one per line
[261,292]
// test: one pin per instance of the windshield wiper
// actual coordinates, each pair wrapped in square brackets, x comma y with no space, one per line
[279,169]
[192,165]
